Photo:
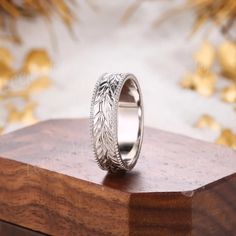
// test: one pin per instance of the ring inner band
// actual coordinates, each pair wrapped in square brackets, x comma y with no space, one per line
[129,122]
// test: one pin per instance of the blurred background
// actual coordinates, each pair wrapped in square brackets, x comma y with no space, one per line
[182,51]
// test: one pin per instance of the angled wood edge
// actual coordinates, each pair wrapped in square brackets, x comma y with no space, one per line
[8,229]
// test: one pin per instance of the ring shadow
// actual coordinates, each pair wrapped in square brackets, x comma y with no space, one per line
[125,181]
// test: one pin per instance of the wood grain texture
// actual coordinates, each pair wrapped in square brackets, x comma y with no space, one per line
[49,182]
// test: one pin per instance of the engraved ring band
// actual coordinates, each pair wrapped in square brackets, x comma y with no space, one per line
[116,122]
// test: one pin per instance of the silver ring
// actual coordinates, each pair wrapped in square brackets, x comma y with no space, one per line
[116,121]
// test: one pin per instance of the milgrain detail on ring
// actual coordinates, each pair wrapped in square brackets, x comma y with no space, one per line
[103,121]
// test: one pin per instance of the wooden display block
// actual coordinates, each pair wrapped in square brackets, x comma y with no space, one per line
[50,184]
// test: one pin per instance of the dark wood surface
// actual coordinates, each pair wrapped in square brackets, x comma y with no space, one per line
[7,229]
[49,182]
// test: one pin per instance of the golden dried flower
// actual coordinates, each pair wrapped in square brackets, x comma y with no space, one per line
[42,82]
[207,121]
[10,8]
[13,11]
[26,115]
[221,12]
[6,74]
[38,61]
[203,81]
[64,11]
[23,94]
[6,56]
[205,56]
[227,59]
[227,138]
[228,94]
[187,82]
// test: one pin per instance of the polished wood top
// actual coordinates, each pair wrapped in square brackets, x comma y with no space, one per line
[168,162]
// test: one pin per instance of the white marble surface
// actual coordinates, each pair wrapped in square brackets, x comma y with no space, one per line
[158,57]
